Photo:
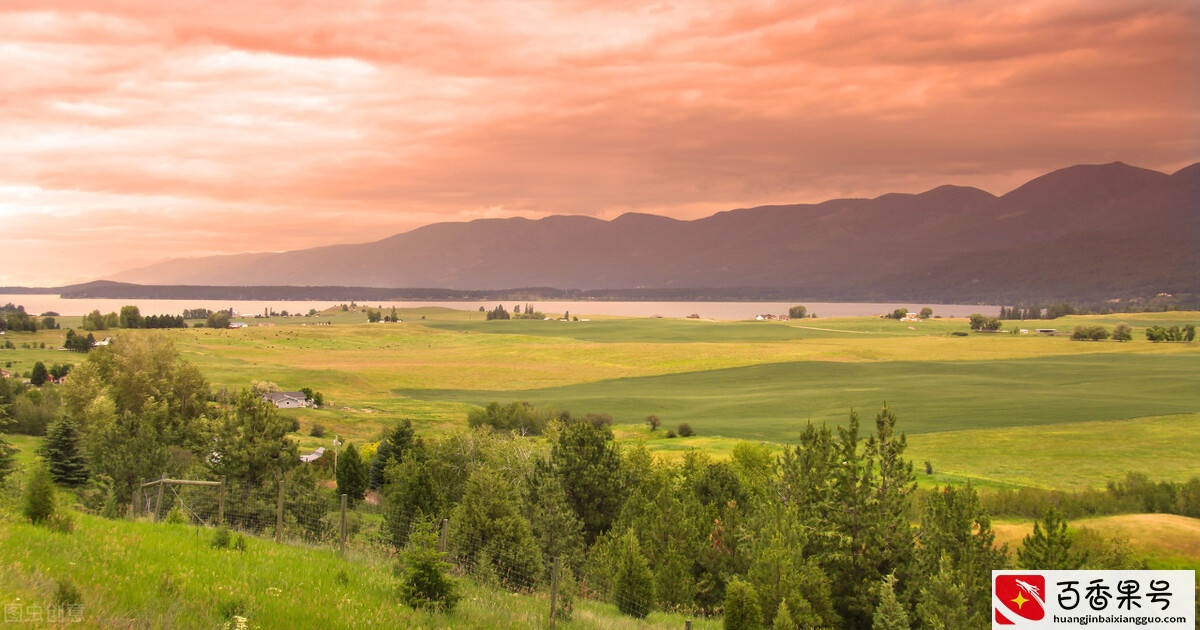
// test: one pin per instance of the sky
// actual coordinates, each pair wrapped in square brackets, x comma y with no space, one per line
[137,131]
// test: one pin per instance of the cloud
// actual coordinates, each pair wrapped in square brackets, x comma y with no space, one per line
[208,126]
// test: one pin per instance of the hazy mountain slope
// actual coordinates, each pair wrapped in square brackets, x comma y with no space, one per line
[1054,236]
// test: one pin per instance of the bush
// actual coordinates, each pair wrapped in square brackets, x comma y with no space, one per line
[317,431]
[221,537]
[685,430]
[66,594]
[177,516]
[671,434]
[742,611]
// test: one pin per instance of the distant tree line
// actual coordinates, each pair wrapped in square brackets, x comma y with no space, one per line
[1171,333]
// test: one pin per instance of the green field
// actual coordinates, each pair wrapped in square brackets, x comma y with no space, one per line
[996,408]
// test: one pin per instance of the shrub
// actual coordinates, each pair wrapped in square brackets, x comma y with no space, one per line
[685,430]
[66,594]
[671,434]
[176,516]
[221,537]
[317,431]
[742,611]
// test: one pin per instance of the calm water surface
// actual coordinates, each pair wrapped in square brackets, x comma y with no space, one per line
[38,304]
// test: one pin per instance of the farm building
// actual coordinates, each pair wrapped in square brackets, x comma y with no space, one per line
[286,400]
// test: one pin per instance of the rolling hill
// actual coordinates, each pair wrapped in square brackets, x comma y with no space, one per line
[1088,232]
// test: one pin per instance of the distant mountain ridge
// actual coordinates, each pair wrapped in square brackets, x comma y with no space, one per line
[1087,232]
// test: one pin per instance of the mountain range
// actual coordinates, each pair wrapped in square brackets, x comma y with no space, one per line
[1087,232]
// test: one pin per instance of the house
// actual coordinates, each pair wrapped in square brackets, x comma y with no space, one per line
[313,456]
[286,400]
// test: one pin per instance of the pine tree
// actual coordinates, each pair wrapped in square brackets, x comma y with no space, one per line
[957,540]
[351,475]
[391,449]
[39,495]
[490,529]
[634,580]
[584,457]
[63,451]
[742,611]
[7,458]
[942,602]
[424,582]
[783,618]
[40,375]
[890,613]
[1048,547]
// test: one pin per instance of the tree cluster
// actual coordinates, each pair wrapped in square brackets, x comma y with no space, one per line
[1090,333]
[15,318]
[808,536]
[498,313]
[521,417]
[1186,333]
[983,322]
[79,343]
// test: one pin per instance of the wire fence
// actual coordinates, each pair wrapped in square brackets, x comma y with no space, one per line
[503,554]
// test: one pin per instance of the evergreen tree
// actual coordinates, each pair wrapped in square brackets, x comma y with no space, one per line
[410,495]
[424,582]
[634,587]
[555,526]
[7,458]
[742,611]
[39,495]
[890,613]
[783,617]
[584,457]
[391,449]
[351,475]
[63,451]
[957,540]
[942,603]
[1048,547]
[491,531]
[40,374]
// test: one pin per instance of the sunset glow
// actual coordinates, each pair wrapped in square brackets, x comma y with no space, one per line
[136,131]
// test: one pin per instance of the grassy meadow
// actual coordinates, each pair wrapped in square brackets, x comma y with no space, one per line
[1008,409]
[136,574]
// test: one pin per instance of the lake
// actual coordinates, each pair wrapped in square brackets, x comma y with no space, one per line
[37,304]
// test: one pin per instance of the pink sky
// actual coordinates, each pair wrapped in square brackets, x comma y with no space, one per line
[154,129]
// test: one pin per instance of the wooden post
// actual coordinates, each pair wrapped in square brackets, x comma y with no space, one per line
[687,625]
[343,537]
[158,505]
[554,573]
[137,501]
[442,536]
[221,503]
[279,513]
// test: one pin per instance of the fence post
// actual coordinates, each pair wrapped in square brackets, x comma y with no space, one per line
[158,505]
[554,573]
[279,513]
[442,536]
[137,502]
[343,536]
[221,503]
[687,625]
